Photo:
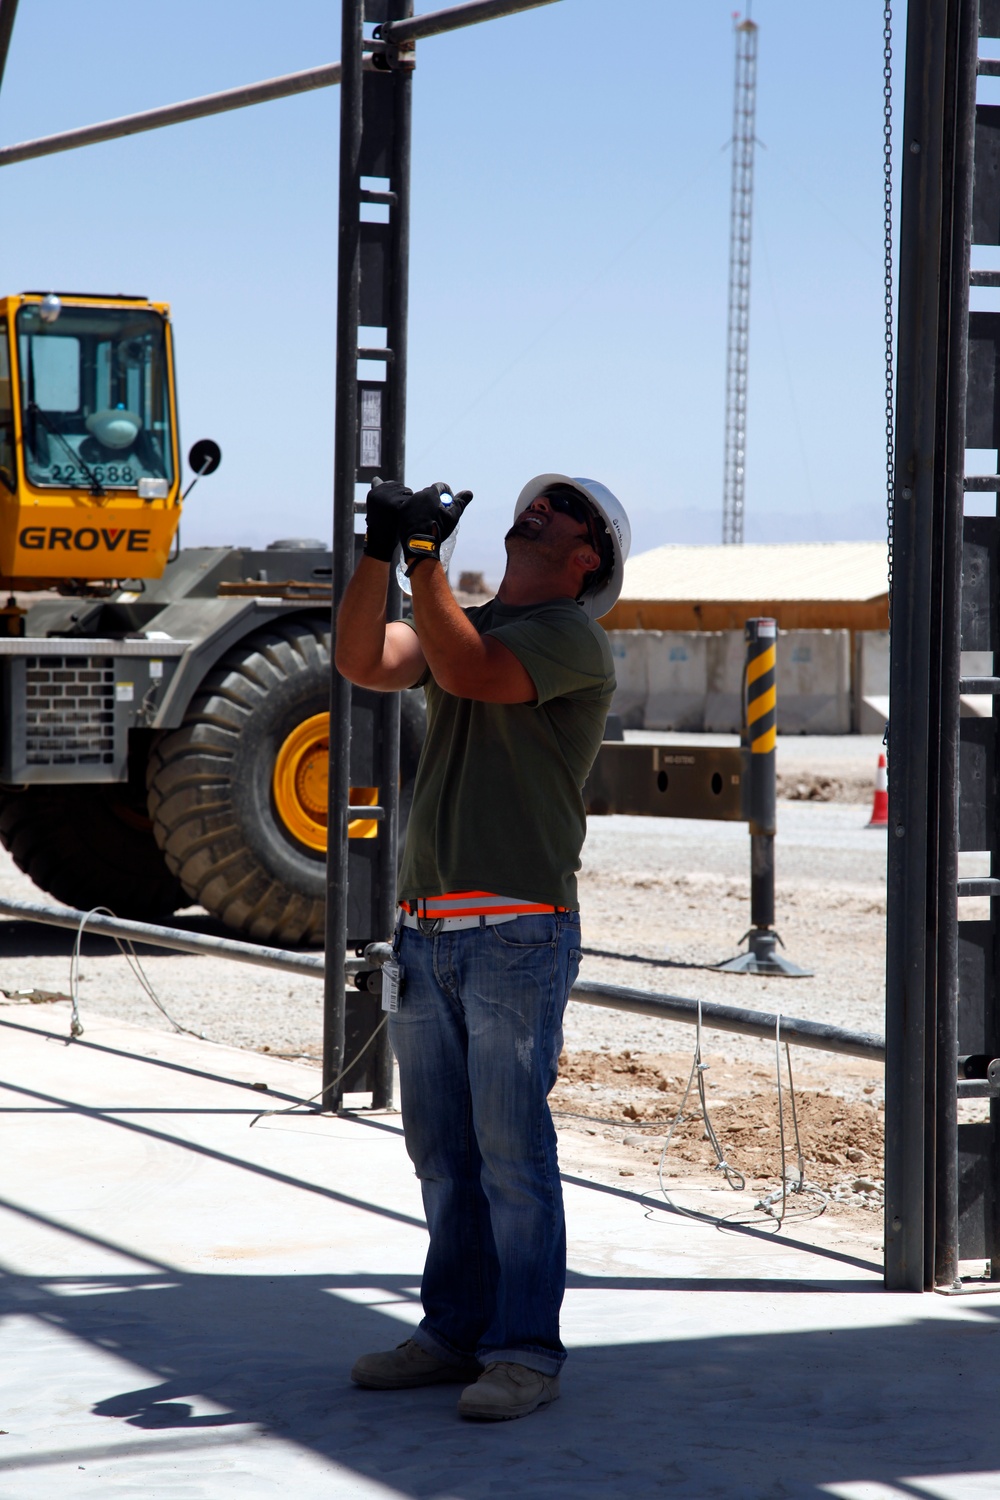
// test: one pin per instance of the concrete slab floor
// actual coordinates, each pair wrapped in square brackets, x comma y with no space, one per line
[184,1296]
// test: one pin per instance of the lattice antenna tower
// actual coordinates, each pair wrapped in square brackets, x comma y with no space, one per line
[738,327]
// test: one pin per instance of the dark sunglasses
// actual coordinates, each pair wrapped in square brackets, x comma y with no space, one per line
[579,511]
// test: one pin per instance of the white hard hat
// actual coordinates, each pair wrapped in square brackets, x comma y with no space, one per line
[596,601]
[115,428]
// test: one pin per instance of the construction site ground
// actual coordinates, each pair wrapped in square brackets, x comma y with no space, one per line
[662,901]
[184,1294]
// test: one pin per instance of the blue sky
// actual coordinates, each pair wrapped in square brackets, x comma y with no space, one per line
[569,257]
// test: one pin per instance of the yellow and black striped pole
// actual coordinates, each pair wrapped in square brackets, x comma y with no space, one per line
[760,744]
[760,733]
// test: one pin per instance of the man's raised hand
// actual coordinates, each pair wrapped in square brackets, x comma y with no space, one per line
[426,521]
[383,516]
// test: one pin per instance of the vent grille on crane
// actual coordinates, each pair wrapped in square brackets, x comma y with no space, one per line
[69,710]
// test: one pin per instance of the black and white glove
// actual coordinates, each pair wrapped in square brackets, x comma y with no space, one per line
[383,516]
[427,520]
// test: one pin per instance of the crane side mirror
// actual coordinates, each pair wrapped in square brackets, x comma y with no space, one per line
[205,457]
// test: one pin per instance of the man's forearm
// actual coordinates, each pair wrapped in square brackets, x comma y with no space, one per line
[462,661]
[450,641]
[361,621]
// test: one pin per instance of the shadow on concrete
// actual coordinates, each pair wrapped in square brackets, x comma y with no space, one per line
[163,1063]
[641,958]
[779,1414]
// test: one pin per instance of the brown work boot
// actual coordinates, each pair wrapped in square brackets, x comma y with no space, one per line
[506,1390]
[407,1366]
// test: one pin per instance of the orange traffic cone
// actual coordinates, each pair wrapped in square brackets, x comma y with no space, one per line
[880,805]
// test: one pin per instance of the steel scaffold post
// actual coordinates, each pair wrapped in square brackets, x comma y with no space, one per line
[400,80]
[345,459]
[921,1230]
[8,15]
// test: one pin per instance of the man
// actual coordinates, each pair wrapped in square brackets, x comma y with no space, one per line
[488,941]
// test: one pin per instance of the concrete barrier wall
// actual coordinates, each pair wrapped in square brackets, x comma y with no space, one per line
[724,698]
[871,681]
[693,681]
[677,673]
[629,649]
[814,682]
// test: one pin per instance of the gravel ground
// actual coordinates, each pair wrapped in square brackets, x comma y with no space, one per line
[675,893]
[662,901]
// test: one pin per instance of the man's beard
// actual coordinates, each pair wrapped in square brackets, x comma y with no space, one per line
[529,544]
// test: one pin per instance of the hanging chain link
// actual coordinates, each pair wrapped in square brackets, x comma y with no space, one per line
[890,434]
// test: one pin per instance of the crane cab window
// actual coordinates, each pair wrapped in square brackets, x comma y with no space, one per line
[94,397]
[6,412]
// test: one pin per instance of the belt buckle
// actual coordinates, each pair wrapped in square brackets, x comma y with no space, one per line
[430,925]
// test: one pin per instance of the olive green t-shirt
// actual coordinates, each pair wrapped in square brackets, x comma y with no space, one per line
[497,802]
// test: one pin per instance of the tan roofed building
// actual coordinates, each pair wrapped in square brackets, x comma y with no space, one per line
[803,585]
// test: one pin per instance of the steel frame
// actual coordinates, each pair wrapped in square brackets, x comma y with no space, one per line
[921,1231]
[925,1010]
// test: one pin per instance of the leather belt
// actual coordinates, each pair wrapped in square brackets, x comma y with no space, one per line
[431,925]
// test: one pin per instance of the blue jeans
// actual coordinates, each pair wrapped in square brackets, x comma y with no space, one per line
[478,1035]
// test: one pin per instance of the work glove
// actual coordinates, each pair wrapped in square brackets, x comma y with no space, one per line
[383,515]
[427,520]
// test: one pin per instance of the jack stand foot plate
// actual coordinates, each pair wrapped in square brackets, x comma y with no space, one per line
[762,957]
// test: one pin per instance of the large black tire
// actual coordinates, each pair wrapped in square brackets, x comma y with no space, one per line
[211,785]
[90,846]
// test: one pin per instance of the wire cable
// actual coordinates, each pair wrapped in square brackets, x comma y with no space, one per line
[801,1188]
[291,1108]
[734,1177]
[132,959]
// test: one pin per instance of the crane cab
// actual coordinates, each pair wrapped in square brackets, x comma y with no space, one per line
[89,470]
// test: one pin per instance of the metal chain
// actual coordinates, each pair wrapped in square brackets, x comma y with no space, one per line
[890,434]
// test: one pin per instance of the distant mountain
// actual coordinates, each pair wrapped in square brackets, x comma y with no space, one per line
[852,523]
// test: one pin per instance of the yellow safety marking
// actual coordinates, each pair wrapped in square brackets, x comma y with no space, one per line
[766,743]
[758,707]
[761,664]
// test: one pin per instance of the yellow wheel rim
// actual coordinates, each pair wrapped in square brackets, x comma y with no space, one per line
[300,786]
[300,781]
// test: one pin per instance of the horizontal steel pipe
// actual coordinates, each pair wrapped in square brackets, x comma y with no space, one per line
[434,22]
[815,1034]
[282,87]
[170,937]
[759,1023]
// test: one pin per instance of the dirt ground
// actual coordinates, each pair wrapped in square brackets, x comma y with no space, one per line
[662,902]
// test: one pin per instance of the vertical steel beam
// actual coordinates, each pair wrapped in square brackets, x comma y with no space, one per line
[394,459]
[961,110]
[921,952]
[8,15]
[345,461]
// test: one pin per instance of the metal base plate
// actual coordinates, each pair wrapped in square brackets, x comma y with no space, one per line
[749,963]
[762,957]
[968,1288]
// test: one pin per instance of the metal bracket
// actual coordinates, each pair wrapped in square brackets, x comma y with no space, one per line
[979,1077]
[392,57]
